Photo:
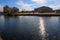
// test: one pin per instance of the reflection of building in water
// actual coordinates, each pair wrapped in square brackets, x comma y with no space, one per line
[42,29]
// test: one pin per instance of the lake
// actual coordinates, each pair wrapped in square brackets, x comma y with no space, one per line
[30,27]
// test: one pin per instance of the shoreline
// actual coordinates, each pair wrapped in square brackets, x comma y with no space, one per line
[39,14]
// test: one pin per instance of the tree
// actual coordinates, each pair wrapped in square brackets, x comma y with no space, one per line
[15,10]
[43,9]
[10,11]
[7,10]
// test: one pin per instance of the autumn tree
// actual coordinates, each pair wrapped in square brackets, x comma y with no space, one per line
[7,10]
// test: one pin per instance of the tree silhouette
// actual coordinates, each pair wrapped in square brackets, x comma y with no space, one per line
[15,10]
[7,10]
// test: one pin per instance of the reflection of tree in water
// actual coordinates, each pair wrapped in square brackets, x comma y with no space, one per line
[25,28]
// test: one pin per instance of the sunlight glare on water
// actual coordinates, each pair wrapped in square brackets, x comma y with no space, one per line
[42,29]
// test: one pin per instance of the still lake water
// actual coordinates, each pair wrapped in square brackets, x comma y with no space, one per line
[30,28]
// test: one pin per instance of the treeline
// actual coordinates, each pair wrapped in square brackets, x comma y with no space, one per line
[10,11]
[44,9]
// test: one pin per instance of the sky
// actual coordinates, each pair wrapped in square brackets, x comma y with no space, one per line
[28,5]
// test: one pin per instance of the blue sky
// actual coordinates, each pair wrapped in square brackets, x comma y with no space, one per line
[30,4]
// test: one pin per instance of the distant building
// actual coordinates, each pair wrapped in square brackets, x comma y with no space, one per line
[43,9]
[57,11]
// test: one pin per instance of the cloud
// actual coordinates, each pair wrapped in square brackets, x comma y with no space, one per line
[55,6]
[40,2]
[24,6]
[1,8]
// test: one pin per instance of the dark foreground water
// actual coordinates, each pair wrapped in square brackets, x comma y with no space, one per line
[30,28]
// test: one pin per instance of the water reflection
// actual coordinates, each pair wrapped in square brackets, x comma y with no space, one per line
[30,28]
[20,28]
[52,25]
[42,29]
[2,20]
